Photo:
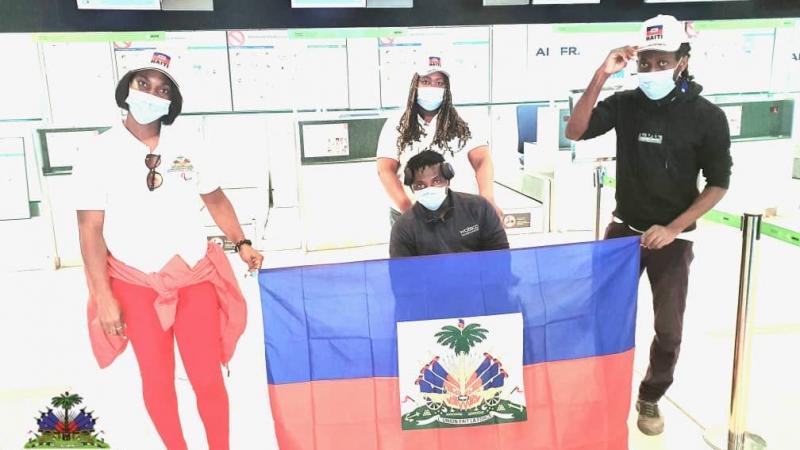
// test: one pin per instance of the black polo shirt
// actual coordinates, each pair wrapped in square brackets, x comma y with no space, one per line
[464,223]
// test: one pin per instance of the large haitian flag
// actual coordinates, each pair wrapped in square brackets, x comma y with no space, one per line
[521,349]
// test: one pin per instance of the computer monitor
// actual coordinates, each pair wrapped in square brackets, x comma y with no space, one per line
[527,125]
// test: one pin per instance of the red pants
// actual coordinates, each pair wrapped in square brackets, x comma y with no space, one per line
[197,331]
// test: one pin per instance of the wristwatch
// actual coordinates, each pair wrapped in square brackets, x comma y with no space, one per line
[241,243]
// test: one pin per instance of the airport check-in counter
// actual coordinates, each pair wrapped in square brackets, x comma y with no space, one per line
[521,214]
[554,172]
[58,149]
[289,198]
[240,144]
[761,129]
[341,201]
[343,204]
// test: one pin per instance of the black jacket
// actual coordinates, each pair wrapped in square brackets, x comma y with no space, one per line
[463,223]
[661,148]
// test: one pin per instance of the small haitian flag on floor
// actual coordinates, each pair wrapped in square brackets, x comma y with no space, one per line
[521,349]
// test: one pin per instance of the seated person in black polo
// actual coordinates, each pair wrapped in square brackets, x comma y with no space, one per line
[443,221]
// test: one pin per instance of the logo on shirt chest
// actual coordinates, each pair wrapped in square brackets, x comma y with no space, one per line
[183,166]
[651,138]
[470,230]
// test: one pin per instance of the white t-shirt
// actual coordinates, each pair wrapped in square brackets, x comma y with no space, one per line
[464,180]
[146,229]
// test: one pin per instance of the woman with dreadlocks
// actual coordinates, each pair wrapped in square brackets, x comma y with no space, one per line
[431,122]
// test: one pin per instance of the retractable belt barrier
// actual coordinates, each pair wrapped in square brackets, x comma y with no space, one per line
[735,437]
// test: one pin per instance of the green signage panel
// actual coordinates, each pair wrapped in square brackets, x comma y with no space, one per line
[101,36]
[346,33]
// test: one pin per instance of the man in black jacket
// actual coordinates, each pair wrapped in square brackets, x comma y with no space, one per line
[443,221]
[666,135]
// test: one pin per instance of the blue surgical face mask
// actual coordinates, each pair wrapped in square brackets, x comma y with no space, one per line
[657,85]
[430,98]
[146,108]
[431,197]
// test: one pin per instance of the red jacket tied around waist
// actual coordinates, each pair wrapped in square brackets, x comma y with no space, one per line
[176,274]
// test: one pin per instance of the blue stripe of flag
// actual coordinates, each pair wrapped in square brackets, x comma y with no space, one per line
[339,321]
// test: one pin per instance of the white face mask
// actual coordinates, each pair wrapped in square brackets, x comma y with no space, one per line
[657,85]
[430,98]
[146,108]
[431,197]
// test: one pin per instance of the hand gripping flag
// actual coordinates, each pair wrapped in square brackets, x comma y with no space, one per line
[520,349]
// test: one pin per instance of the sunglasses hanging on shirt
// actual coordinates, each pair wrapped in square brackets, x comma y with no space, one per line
[154,179]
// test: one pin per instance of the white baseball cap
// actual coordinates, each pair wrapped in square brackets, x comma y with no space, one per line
[662,33]
[163,60]
[431,64]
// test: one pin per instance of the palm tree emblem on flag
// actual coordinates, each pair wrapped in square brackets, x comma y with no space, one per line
[461,339]
[464,387]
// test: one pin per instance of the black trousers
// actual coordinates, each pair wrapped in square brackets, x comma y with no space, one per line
[668,271]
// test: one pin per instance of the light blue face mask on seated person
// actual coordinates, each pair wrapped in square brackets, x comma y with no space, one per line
[431,197]
[146,108]
[656,85]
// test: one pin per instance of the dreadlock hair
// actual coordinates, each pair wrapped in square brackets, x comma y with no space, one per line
[684,50]
[449,125]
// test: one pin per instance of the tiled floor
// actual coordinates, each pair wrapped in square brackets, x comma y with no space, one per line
[44,316]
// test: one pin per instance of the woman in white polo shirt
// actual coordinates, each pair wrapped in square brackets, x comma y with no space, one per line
[153,277]
[431,122]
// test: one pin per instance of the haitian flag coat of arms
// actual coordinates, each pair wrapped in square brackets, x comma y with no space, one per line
[461,373]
